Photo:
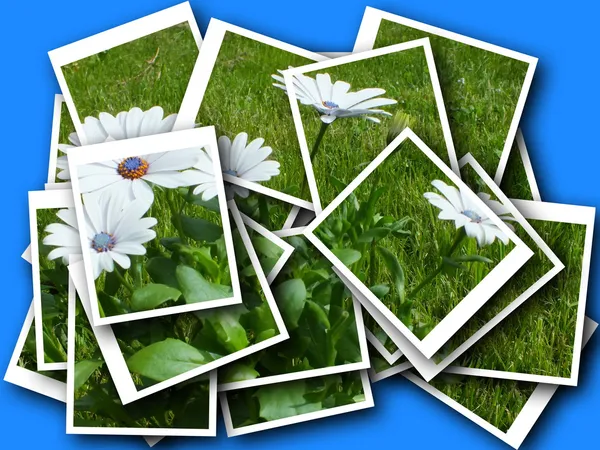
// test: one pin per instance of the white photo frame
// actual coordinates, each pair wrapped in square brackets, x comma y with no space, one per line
[231,431]
[583,215]
[289,232]
[29,379]
[154,434]
[287,248]
[112,38]
[59,100]
[39,200]
[354,57]
[390,358]
[528,416]
[289,222]
[427,367]
[367,34]
[199,137]
[111,351]
[199,81]
[476,298]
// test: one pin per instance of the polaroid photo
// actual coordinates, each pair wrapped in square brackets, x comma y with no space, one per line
[272,251]
[270,212]
[367,118]
[189,409]
[503,78]
[129,81]
[262,408]
[470,396]
[529,282]
[324,321]
[151,355]
[47,212]
[378,343]
[289,232]
[57,163]
[23,369]
[519,348]
[381,368]
[368,233]
[157,228]
[518,179]
[232,88]
[289,222]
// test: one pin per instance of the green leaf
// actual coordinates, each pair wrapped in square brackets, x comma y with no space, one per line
[266,248]
[291,298]
[393,265]
[167,359]
[200,229]
[153,295]
[380,290]
[347,256]
[196,288]
[53,349]
[212,204]
[472,258]
[278,401]
[162,271]
[373,234]
[224,325]
[84,370]
[237,372]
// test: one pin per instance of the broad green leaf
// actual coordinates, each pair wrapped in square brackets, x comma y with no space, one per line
[196,288]
[291,298]
[167,359]
[153,295]
[373,234]
[264,335]
[266,248]
[347,256]
[393,265]
[162,271]
[84,370]
[259,319]
[204,258]
[237,372]
[53,349]
[111,305]
[224,324]
[278,401]
[380,290]
[200,229]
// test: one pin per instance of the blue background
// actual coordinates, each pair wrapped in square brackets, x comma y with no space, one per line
[561,130]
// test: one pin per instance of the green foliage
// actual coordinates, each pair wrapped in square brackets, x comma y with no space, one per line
[28,358]
[293,398]
[268,211]
[417,264]
[515,183]
[318,313]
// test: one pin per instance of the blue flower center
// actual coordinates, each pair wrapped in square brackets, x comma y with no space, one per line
[103,242]
[133,168]
[330,105]
[472,215]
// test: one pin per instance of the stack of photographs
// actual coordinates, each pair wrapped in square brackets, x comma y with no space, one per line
[233,220]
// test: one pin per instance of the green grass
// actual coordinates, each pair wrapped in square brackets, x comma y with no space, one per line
[480,89]
[240,97]
[28,358]
[515,183]
[54,279]
[373,327]
[122,77]
[65,128]
[270,212]
[251,406]
[318,313]
[97,402]
[498,402]
[201,337]
[350,144]
[417,244]
[539,337]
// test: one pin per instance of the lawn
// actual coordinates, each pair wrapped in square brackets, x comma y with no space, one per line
[251,406]
[480,89]
[240,97]
[150,71]
[97,402]
[197,338]
[350,144]
[390,237]
[515,183]
[539,337]
[318,313]
[54,278]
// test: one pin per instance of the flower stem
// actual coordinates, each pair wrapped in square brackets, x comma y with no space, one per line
[123,281]
[176,216]
[313,153]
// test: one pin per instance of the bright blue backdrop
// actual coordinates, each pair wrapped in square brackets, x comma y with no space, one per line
[561,129]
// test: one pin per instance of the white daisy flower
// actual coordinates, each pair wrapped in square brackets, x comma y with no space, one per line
[64,236]
[465,213]
[205,177]
[132,176]
[333,100]
[126,125]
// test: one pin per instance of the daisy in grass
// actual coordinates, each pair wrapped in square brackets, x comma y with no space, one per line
[133,176]
[334,100]
[465,213]
[114,229]
[239,159]
[126,125]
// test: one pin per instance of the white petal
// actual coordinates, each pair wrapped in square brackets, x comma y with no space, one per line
[151,121]
[133,123]
[120,259]
[176,160]
[112,126]
[142,191]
